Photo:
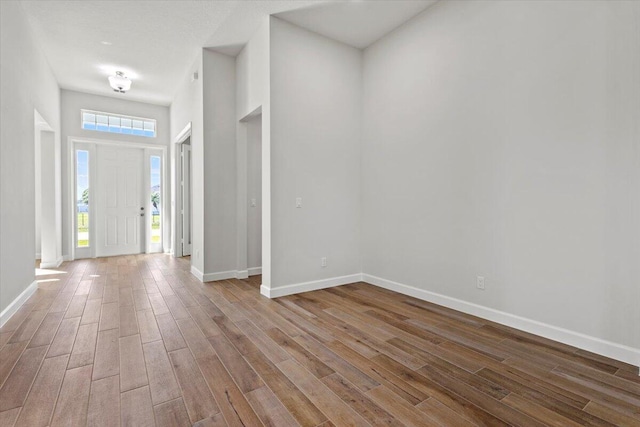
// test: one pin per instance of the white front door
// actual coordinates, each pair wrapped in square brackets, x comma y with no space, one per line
[120,201]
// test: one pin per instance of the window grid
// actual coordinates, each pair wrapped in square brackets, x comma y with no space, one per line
[115,123]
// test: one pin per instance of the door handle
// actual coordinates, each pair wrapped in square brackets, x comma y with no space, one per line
[142,214]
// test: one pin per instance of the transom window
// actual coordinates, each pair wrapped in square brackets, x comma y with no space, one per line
[114,123]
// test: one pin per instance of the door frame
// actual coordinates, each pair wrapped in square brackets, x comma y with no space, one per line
[90,145]
[48,172]
[177,190]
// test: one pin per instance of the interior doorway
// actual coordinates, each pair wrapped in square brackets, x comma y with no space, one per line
[48,195]
[254,193]
[182,226]
[186,196]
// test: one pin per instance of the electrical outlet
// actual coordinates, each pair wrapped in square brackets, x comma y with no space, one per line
[323,262]
[253,203]
[480,282]
[298,202]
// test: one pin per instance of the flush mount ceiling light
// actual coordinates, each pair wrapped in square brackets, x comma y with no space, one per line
[120,83]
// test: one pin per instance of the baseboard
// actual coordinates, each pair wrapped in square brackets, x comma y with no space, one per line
[221,275]
[255,271]
[596,345]
[197,273]
[54,264]
[17,303]
[309,286]
[67,258]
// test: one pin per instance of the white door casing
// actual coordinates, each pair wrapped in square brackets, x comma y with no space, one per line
[186,199]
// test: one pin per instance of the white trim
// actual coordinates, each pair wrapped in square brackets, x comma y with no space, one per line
[75,141]
[184,133]
[38,255]
[197,273]
[17,303]
[55,264]
[596,345]
[221,275]
[309,286]
[176,195]
[128,144]
[255,271]
[67,258]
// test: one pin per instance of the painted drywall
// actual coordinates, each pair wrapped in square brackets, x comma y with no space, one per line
[315,155]
[252,98]
[71,104]
[219,162]
[252,64]
[26,83]
[254,193]
[38,193]
[500,139]
[187,108]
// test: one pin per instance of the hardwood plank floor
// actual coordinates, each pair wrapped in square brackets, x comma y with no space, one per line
[137,340]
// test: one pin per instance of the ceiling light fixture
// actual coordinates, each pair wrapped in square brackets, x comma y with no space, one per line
[120,83]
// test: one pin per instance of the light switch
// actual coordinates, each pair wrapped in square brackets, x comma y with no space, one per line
[253,203]
[298,202]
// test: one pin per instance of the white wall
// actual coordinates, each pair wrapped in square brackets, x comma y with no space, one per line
[187,106]
[252,66]
[209,103]
[38,192]
[315,155]
[501,139]
[71,104]
[219,163]
[26,83]
[254,192]
[253,96]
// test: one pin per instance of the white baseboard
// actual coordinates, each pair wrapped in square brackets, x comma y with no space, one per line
[309,286]
[221,275]
[17,303]
[197,273]
[67,258]
[54,264]
[255,271]
[596,345]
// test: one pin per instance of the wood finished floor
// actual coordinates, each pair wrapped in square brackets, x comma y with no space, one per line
[138,341]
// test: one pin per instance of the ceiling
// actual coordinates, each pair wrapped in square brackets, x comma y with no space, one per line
[356,23]
[155,42]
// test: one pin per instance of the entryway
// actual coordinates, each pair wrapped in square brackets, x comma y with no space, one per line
[118,199]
